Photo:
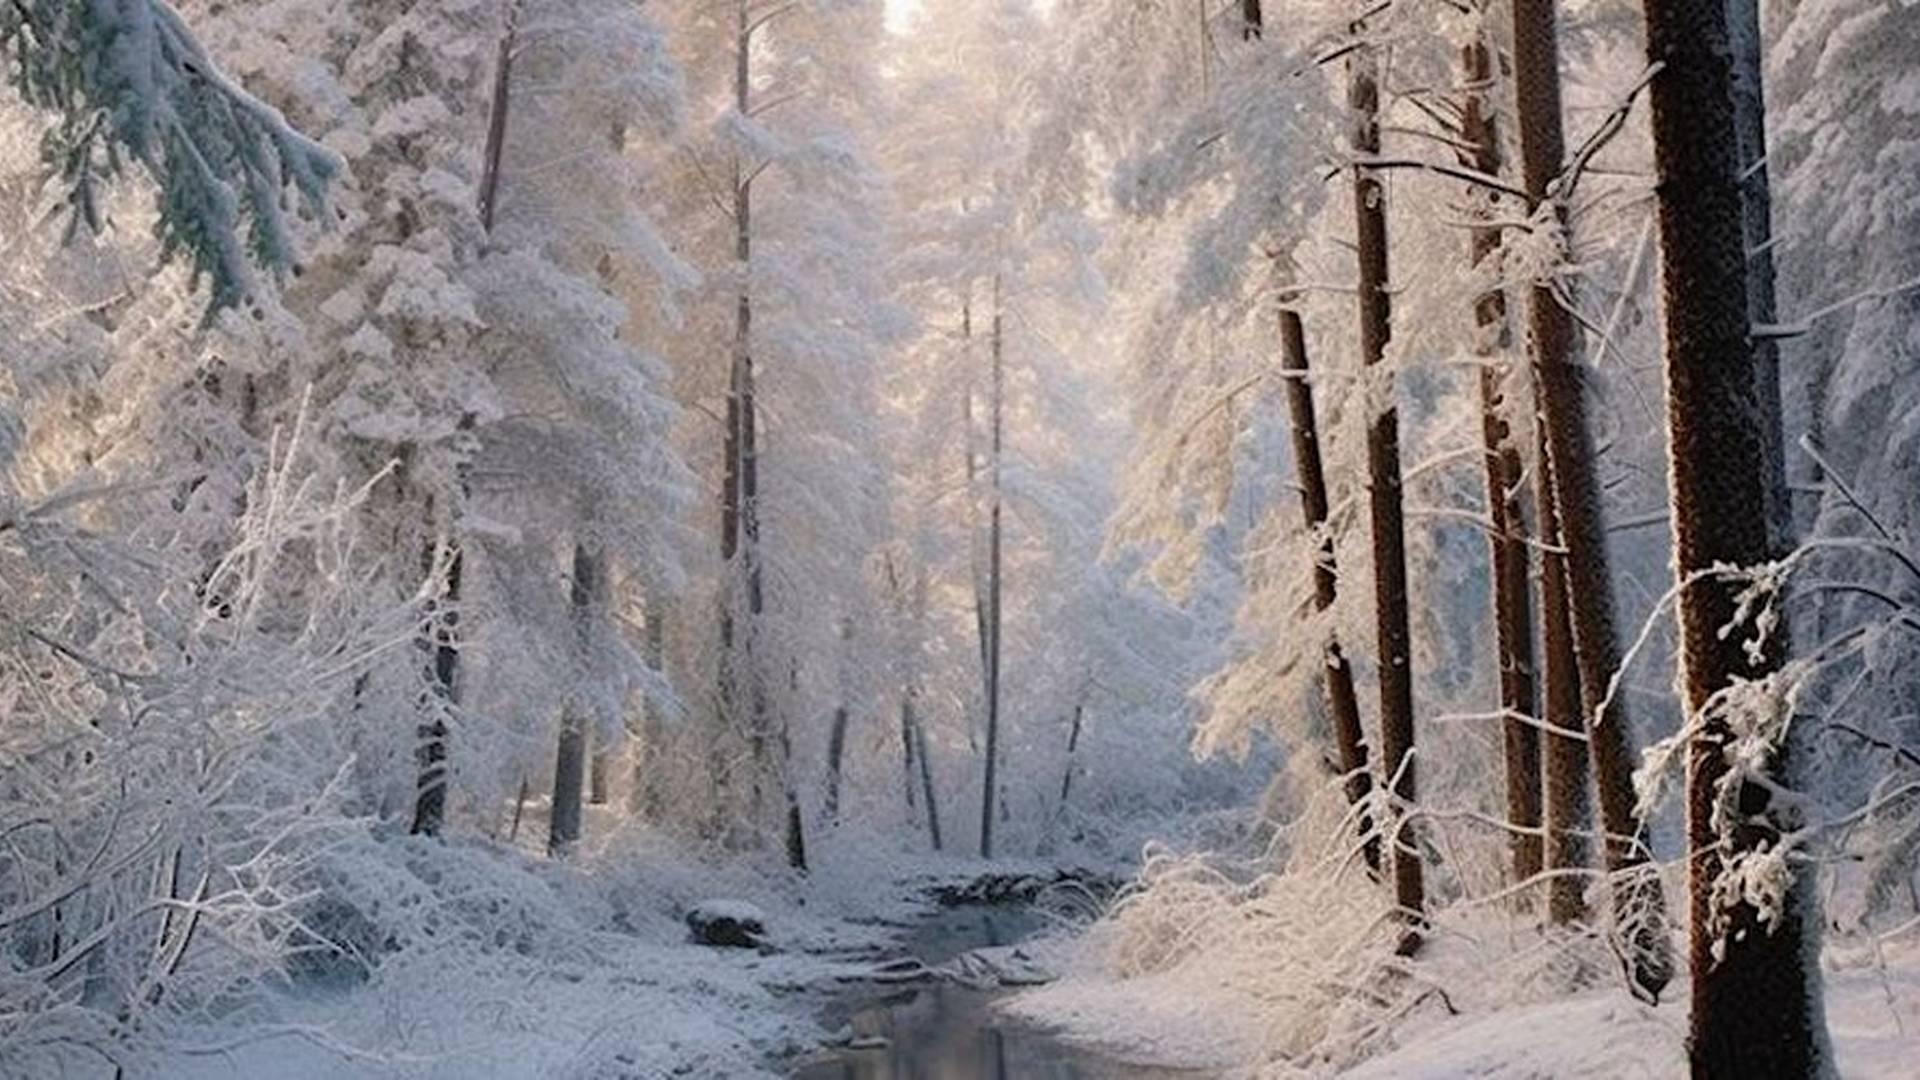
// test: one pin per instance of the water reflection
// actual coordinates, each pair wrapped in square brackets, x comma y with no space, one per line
[947,1032]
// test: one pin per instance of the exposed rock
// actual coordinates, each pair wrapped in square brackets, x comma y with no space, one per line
[730,924]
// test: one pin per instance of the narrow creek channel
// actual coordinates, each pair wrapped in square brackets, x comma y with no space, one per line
[944,1031]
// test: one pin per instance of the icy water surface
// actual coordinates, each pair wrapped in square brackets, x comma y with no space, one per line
[941,1031]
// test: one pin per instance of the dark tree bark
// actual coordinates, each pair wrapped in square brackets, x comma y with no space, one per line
[1750,127]
[741,674]
[991,645]
[442,644]
[570,756]
[1507,544]
[1343,704]
[836,757]
[1638,905]
[502,97]
[647,798]
[599,778]
[1568,808]
[906,754]
[1384,500]
[1073,750]
[1754,1012]
[837,733]
[926,785]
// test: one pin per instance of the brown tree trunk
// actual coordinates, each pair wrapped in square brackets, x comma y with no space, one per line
[647,797]
[1638,905]
[741,672]
[926,785]
[1750,127]
[570,756]
[1568,807]
[1754,1013]
[599,778]
[1343,704]
[1384,501]
[997,420]
[1507,544]
[837,732]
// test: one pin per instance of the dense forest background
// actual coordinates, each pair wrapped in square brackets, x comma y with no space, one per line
[1424,490]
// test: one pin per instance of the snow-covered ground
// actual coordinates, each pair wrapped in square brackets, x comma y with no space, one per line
[1171,1018]
[597,976]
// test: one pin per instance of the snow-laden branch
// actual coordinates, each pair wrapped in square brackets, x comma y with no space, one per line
[127,79]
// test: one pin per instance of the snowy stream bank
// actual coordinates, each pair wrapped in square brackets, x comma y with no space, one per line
[947,1024]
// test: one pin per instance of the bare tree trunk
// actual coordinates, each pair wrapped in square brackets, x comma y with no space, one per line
[836,754]
[647,797]
[1507,544]
[837,734]
[1754,1013]
[1384,500]
[926,785]
[1638,906]
[1750,131]
[502,98]
[740,668]
[1343,704]
[1567,805]
[796,837]
[997,420]
[519,809]
[570,756]
[1073,750]
[442,643]
[599,777]
[906,755]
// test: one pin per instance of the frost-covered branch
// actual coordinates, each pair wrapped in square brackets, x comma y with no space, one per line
[126,79]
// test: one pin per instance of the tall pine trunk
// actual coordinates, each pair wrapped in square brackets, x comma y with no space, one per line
[1343,704]
[600,778]
[1568,807]
[991,645]
[1507,544]
[1638,905]
[1755,1012]
[570,756]
[837,733]
[741,674]
[647,797]
[1756,227]
[1384,499]
[926,786]
[443,643]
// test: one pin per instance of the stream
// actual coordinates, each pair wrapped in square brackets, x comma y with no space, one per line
[944,1031]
